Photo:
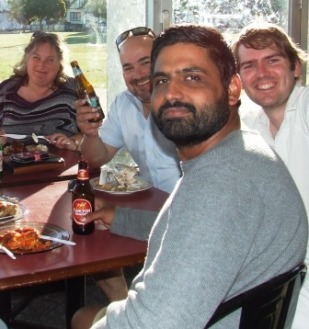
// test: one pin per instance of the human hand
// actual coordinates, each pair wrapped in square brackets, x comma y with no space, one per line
[105,213]
[62,141]
[85,113]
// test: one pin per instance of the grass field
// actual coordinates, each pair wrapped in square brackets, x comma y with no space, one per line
[82,47]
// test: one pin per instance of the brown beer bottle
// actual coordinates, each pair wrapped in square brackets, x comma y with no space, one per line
[82,200]
[85,90]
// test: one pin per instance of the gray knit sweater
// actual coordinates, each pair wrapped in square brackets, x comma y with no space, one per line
[234,221]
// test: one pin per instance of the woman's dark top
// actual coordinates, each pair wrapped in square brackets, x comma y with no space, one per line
[54,113]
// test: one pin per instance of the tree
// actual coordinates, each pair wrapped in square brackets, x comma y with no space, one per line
[27,11]
[97,8]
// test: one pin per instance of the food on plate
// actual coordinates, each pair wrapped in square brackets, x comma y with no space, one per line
[7,209]
[23,239]
[17,147]
[118,178]
[37,147]
[112,187]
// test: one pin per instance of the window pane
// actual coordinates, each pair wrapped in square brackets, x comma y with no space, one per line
[230,16]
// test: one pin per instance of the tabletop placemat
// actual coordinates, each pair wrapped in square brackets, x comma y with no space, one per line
[16,168]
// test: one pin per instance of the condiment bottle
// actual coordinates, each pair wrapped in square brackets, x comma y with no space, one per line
[82,200]
[86,91]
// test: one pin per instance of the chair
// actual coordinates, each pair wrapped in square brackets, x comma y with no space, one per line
[271,305]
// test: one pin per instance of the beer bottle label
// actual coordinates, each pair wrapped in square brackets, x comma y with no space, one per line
[93,101]
[83,174]
[76,71]
[81,207]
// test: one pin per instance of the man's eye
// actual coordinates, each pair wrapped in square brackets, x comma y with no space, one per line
[193,78]
[247,67]
[145,63]
[273,60]
[128,69]
[157,82]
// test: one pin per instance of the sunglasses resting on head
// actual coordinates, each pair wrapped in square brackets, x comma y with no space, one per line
[134,32]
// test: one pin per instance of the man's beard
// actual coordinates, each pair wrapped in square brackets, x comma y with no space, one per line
[196,128]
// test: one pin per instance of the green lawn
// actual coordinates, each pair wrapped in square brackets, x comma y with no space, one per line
[82,47]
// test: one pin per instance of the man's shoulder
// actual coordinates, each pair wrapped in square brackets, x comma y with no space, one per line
[124,102]
[252,149]
[299,96]
[125,96]
[249,112]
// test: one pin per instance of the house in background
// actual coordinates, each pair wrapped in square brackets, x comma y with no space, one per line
[77,19]
[6,22]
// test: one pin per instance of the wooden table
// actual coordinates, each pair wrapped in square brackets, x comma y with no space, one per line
[68,171]
[100,251]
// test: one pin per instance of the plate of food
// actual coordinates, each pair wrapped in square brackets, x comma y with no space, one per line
[11,211]
[139,184]
[24,237]
[28,157]
[18,147]
[120,179]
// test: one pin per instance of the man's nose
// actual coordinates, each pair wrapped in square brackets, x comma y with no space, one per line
[173,91]
[262,69]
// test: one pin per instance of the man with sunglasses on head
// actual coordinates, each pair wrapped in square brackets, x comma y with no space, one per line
[128,124]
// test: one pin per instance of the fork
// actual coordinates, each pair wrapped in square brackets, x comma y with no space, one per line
[7,251]
[17,136]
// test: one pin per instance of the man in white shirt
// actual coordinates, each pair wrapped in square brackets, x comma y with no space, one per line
[129,124]
[269,64]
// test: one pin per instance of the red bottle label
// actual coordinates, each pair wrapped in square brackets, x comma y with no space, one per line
[81,207]
[82,174]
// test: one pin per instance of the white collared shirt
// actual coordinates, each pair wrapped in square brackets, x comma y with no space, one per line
[126,126]
[292,139]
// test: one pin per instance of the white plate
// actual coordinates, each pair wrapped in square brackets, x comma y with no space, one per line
[138,186]
[21,211]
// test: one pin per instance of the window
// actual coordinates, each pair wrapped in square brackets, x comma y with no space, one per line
[75,16]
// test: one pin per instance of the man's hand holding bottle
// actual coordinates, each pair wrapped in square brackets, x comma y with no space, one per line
[86,117]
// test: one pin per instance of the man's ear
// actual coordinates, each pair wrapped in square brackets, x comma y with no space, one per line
[234,89]
[297,70]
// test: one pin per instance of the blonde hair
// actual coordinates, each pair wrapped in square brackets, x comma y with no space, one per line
[38,38]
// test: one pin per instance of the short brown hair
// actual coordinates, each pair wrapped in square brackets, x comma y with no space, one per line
[262,35]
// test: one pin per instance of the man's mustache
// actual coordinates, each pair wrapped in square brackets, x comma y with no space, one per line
[176,104]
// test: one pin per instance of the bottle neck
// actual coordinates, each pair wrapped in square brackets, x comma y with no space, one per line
[83,175]
[77,71]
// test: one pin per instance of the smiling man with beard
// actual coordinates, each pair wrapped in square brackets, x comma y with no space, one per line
[218,234]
